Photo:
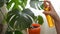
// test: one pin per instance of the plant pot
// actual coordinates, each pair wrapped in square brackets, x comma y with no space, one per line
[35,30]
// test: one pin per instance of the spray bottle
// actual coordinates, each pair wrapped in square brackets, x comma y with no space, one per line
[48,17]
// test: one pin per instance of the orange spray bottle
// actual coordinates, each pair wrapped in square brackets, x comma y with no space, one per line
[48,17]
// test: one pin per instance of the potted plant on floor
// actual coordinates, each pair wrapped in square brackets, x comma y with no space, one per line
[18,19]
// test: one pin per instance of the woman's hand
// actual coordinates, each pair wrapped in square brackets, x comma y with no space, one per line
[54,15]
[51,12]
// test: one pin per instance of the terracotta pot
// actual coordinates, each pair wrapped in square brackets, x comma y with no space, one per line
[35,30]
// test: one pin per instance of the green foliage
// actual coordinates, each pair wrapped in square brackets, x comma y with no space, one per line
[34,0]
[42,6]
[40,20]
[8,32]
[17,19]
[1,3]
[18,32]
[15,32]
[22,3]
[29,12]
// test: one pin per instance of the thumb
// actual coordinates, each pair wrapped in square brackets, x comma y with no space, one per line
[47,13]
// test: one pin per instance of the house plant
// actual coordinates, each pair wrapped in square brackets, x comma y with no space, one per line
[17,19]
[35,27]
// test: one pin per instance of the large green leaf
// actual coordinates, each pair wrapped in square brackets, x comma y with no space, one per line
[29,12]
[22,3]
[25,21]
[18,19]
[10,19]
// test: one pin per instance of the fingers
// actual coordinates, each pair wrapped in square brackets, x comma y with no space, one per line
[47,2]
[47,5]
[50,5]
[46,13]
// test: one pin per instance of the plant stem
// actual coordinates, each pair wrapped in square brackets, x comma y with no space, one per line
[2,14]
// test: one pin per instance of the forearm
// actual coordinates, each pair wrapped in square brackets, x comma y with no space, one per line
[57,25]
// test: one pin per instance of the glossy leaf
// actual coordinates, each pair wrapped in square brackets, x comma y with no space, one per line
[22,3]
[40,20]
[29,12]
[24,21]
[20,19]
[10,15]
